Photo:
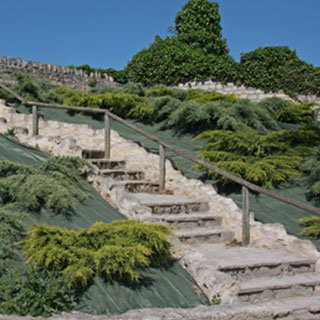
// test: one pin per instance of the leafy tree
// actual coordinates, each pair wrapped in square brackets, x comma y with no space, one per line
[197,52]
[198,25]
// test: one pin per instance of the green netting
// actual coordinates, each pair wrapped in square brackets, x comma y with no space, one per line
[266,209]
[171,287]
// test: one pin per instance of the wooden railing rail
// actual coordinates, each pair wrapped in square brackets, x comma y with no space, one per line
[246,185]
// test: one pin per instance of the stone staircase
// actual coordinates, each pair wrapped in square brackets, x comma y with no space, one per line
[286,285]
[255,282]
[190,217]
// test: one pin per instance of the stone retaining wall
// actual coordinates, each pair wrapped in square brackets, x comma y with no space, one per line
[243,92]
[72,78]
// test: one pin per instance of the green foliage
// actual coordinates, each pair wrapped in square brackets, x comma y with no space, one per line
[196,117]
[34,90]
[171,61]
[311,177]
[203,96]
[53,185]
[198,25]
[266,160]
[35,292]
[11,229]
[311,226]
[196,52]
[116,251]
[279,68]
[289,112]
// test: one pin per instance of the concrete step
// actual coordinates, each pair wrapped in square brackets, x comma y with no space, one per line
[171,204]
[121,175]
[295,308]
[136,186]
[187,221]
[92,154]
[262,289]
[108,164]
[204,235]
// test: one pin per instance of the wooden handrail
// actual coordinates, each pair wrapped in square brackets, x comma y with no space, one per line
[242,182]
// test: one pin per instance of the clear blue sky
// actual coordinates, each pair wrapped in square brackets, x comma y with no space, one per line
[107,33]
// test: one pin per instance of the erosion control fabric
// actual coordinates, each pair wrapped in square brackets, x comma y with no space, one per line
[160,288]
[266,209]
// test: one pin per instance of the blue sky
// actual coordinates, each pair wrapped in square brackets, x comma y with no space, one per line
[107,33]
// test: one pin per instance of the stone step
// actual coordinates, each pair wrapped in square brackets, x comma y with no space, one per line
[171,204]
[244,263]
[108,164]
[121,175]
[295,308]
[186,221]
[204,235]
[136,186]
[92,154]
[266,288]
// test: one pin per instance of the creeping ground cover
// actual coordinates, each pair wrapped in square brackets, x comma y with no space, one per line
[86,257]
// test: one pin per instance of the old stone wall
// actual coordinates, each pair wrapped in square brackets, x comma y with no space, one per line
[72,78]
[244,92]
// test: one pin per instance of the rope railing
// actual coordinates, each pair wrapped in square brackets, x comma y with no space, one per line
[246,185]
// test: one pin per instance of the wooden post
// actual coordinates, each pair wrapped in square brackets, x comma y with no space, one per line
[162,168]
[35,121]
[245,217]
[107,135]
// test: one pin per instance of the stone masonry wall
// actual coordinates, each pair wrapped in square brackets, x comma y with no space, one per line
[72,78]
[78,79]
[243,92]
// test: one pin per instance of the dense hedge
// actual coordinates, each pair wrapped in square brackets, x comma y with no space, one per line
[279,68]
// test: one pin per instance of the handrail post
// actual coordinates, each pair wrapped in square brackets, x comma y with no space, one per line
[162,168]
[107,144]
[245,217]
[35,121]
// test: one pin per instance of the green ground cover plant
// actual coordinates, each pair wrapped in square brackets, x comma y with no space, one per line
[11,230]
[53,185]
[35,292]
[311,178]
[117,251]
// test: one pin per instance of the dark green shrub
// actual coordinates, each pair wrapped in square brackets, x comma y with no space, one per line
[35,292]
[134,88]
[11,230]
[311,177]
[196,117]
[289,112]
[26,87]
[54,185]
[279,68]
